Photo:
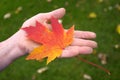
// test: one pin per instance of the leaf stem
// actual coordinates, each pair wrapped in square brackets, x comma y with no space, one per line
[100,67]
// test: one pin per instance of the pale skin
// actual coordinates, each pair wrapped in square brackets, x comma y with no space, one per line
[19,45]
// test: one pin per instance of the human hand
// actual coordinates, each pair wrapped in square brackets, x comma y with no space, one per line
[80,45]
[22,45]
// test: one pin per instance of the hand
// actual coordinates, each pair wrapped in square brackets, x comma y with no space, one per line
[80,45]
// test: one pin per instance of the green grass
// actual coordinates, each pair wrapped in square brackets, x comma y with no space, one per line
[66,69]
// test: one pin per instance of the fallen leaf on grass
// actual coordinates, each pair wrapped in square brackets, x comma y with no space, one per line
[92,15]
[53,42]
[118,29]
[18,10]
[117,6]
[49,1]
[103,58]
[100,1]
[117,46]
[41,70]
[110,8]
[87,77]
[7,15]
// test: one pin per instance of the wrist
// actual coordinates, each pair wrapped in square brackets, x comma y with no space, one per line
[10,50]
[8,53]
[11,47]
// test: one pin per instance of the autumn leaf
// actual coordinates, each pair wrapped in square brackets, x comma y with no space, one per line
[118,29]
[53,41]
[92,15]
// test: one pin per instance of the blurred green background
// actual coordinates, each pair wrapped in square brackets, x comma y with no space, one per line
[104,22]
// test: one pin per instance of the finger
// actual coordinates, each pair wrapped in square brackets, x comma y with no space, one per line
[43,17]
[72,51]
[84,34]
[82,42]
[58,13]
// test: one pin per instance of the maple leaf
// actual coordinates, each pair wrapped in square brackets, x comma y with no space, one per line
[53,41]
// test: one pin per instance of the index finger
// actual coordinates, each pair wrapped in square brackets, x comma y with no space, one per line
[84,34]
[43,17]
[58,13]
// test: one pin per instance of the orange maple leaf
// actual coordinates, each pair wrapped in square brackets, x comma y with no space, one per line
[53,41]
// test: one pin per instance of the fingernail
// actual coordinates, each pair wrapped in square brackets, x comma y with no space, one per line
[93,35]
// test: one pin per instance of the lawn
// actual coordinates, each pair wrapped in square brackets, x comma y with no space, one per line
[77,13]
